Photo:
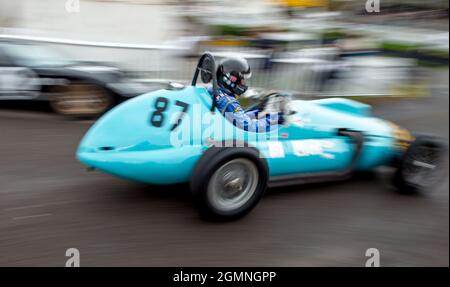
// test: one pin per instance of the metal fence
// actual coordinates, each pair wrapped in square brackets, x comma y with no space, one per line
[306,71]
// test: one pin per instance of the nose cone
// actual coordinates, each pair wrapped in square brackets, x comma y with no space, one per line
[127,127]
[125,142]
[130,124]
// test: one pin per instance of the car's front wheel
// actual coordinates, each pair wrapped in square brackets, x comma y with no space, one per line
[421,168]
[228,182]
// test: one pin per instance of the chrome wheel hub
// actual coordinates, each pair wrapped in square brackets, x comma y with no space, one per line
[233,184]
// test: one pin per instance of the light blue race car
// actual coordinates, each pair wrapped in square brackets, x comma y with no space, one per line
[177,135]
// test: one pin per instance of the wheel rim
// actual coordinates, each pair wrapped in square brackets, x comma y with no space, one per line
[81,100]
[233,184]
[423,166]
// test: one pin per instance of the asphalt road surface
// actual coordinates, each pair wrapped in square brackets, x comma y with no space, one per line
[49,202]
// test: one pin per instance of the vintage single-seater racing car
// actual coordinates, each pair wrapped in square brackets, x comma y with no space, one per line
[177,135]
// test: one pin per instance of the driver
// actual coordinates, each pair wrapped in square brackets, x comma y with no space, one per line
[231,76]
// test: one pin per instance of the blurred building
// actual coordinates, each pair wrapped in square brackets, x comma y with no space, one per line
[141,21]
[280,36]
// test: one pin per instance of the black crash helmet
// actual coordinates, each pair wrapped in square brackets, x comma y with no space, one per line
[232,73]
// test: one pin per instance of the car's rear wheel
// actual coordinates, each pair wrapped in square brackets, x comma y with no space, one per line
[228,182]
[421,168]
[81,100]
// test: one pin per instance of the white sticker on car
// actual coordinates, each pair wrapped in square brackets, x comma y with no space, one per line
[276,149]
[313,147]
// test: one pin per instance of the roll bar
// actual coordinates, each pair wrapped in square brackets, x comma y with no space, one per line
[206,67]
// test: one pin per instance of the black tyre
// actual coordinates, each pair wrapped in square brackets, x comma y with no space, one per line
[81,100]
[422,166]
[227,183]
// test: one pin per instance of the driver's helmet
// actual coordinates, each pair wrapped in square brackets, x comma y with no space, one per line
[232,73]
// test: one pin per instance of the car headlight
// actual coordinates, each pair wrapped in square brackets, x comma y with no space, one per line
[403,137]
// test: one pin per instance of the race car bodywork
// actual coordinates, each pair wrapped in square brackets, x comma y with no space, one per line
[125,143]
[163,137]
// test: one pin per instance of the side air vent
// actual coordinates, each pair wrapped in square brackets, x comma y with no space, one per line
[106,148]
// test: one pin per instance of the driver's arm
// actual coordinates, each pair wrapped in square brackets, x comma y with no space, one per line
[233,112]
[252,113]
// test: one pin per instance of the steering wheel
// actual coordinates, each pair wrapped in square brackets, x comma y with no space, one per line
[273,102]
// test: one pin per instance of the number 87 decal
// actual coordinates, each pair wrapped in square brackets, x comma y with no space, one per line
[161,105]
